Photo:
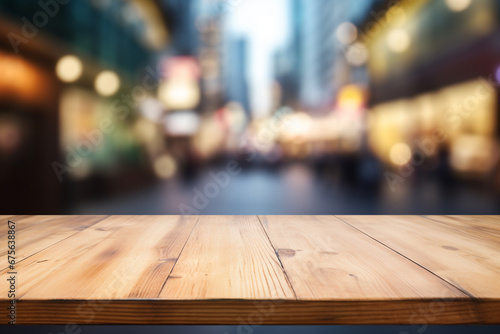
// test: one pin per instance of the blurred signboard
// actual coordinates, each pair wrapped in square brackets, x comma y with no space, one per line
[180,89]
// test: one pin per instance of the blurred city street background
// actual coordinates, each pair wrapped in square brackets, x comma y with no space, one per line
[249,107]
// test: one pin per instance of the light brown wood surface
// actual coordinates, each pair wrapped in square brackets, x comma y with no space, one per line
[466,257]
[326,259]
[253,270]
[228,258]
[40,232]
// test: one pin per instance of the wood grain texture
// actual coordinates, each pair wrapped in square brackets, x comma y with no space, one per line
[249,270]
[467,257]
[327,259]
[228,257]
[249,314]
[120,257]
[37,233]
[483,229]
[26,221]
[3,218]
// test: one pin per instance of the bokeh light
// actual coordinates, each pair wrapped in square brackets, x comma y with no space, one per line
[400,154]
[398,40]
[107,83]
[458,5]
[182,94]
[69,68]
[165,166]
[347,33]
[351,97]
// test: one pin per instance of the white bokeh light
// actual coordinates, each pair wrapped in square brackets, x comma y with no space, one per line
[107,83]
[69,68]
[458,5]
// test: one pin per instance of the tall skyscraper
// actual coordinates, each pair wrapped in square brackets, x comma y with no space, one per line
[318,52]
[318,64]
[235,66]
[181,16]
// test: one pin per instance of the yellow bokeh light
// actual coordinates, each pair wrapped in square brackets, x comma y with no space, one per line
[351,97]
[180,94]
[165,166]
[398,41]
[69,68]
[400,154]
[107,83]
[458,5]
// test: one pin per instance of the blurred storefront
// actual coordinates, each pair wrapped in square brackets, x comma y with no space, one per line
[433,69]
[69,99]
[28,117]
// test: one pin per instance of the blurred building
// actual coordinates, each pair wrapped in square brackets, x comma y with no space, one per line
[210,55]
[235,69]
[314,67]
[318,24]
[433,69]
[181,17]
[65,68]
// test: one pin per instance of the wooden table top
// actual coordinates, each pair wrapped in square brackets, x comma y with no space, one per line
[253,270]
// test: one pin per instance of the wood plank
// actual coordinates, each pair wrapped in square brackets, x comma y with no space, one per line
[325,259]
[16,218]
[469,261]
[250,314]
[227,257]
[119,257]
[34,234]
[486,228]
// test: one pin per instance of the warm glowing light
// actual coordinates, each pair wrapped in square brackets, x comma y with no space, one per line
[472,154]
[347,33]
[107,83]
[398,41]
[165,166]
[351,97]
[23,81]
[297,127]
[458,5]
[69,68]
[179,94]
[400,154]
[357,54]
